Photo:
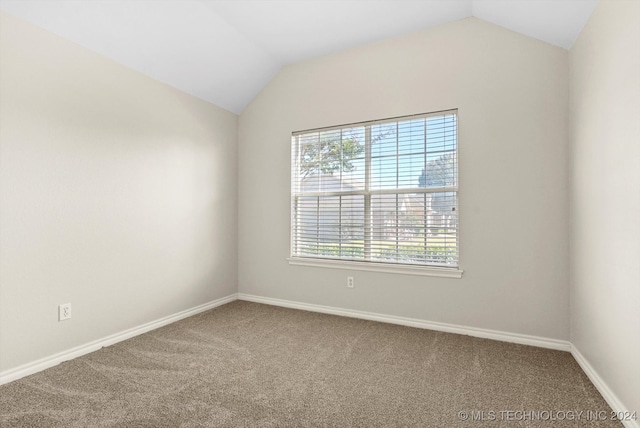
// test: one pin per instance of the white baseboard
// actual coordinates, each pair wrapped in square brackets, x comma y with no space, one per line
[44,363]
[502,336]
[610,397]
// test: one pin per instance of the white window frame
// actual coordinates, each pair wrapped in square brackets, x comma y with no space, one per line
[369,265]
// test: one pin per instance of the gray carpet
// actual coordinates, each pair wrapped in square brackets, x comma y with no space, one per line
[250,365]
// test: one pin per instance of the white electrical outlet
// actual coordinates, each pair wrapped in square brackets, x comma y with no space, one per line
[350,281]
[64,311]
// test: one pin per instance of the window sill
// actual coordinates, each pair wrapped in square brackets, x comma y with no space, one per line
[378,267]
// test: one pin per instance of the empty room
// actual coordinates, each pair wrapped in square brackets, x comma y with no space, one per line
[319,213]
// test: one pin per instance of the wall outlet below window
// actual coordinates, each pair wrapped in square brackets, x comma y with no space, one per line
[64,311]
[350,282]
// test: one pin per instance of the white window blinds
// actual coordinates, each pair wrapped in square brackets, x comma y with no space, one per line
[381,191]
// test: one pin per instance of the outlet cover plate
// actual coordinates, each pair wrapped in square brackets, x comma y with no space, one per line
[64,311]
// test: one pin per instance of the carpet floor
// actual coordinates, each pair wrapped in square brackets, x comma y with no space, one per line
[252,365]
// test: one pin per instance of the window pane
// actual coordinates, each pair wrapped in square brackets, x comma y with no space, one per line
[411,137]
[442,228]
[440,170]
[399,228]
[383,140]
[352,228]
[352,167]
[384,226]
[330,226]
[410,168]
[384,172]
[317,224]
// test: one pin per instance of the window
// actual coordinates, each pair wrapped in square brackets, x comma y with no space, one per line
[379,193]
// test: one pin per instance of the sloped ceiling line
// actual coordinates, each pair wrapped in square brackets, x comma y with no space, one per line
[227,51]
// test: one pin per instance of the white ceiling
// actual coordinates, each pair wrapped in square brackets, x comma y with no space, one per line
[226,51]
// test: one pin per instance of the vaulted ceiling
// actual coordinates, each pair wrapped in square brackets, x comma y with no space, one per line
[226,51]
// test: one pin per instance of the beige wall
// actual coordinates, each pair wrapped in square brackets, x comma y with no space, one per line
[117,194]
[512,94]
[605,196]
